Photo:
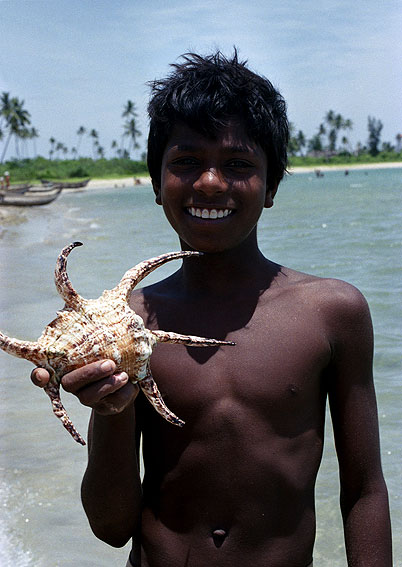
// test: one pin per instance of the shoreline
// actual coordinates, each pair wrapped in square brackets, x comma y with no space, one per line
[17,215]
[146,180]
[344,167]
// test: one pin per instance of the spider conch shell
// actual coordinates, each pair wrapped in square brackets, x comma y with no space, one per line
[87,330]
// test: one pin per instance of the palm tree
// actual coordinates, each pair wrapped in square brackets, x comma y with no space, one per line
[335,122]
[131,131]
[52,142]
[374,127]
[292,144]
[398,139]
[301,141]
[33,134]
[129,109]
[16,118]
[5,105]
[130,126]
[94,135]
[24,135]
[114,146]
[315,145]
[59,147]
[80,132]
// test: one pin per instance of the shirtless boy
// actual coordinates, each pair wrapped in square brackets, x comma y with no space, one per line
[235,486]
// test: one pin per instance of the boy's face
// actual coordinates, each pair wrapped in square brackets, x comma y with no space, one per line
[213,190]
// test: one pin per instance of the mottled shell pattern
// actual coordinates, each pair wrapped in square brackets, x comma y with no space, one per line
[87,330]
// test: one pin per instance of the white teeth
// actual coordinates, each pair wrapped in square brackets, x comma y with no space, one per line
[209,213]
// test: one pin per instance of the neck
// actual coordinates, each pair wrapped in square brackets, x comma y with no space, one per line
[230,271]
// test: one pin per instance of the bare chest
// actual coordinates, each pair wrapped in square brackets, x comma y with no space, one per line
[275,369]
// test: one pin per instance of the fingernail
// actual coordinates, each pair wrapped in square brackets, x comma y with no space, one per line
[122,377]
[106,366]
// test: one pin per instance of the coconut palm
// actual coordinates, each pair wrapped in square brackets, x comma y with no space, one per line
[15,118]
[52,142]
[94,135]
[131,131]
[80,133]
[335,123]
[130,126]
[59,148]
[33,134]
[100,151]
[24,135]
[129,109]
[398,139]
[301,141]
[114,146]
[374,127]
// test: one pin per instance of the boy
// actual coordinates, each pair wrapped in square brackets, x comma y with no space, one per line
[235,485]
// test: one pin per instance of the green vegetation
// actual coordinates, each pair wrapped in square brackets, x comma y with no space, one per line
[60,170]
[329,146]
[345,159]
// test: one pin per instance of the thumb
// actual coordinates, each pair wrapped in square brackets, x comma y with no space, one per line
[40,377]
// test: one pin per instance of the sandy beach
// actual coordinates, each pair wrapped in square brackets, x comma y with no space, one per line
[145,180]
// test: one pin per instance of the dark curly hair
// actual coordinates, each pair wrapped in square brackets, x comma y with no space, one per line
[206,93]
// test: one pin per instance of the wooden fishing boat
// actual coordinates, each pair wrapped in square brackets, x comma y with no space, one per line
[67,184]
[29,198]
[18,188]
[42,188]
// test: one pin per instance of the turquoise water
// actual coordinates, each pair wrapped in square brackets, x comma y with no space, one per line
[347,227]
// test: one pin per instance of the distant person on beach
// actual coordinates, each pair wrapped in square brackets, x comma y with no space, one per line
[7,179]
[235,486]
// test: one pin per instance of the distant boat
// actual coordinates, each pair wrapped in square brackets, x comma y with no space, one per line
[18,188]
[29,198]
[67,184]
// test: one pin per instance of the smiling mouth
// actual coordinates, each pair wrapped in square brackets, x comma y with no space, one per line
[209,213]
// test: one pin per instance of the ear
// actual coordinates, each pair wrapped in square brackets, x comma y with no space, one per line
[157,190]
[272,188]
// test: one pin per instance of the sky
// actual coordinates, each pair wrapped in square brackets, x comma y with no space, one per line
[77,62]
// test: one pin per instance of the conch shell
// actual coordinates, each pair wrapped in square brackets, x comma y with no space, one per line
[87,330]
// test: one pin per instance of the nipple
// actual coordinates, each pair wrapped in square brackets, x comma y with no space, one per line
[219,537]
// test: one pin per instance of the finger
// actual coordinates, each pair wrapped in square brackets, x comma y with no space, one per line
[40,377]
[81,377]
[93,393]
[118,401]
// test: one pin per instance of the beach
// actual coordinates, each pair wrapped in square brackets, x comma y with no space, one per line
[144,180]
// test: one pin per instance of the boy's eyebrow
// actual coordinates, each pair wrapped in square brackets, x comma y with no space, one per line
[233,149]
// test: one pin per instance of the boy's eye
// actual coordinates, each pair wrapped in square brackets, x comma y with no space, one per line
[184,161]
[239,163]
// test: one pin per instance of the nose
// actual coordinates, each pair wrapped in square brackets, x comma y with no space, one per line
[211,182]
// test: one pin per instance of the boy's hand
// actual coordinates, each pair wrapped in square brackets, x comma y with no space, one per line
[96,386]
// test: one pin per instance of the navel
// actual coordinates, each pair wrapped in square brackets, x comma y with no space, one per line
[219,537]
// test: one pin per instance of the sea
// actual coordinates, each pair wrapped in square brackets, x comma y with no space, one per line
[340,226]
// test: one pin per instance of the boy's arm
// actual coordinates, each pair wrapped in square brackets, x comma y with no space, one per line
[364,498]
[111,487]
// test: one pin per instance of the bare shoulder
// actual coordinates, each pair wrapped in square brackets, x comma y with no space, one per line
[337,300]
